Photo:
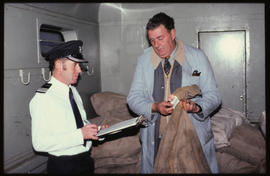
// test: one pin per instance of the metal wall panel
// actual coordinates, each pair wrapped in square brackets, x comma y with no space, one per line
[19,39]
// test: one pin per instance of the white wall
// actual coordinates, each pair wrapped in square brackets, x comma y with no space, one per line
[122,39]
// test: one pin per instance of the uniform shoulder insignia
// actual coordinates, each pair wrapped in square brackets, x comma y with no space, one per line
[44,88]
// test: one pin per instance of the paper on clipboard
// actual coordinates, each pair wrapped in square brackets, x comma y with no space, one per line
[122,125]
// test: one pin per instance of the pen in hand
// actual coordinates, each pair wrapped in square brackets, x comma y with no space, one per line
[86,121]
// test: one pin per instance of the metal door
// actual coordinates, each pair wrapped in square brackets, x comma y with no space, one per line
[226,51]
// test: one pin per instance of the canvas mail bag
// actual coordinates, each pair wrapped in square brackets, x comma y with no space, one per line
[180,150]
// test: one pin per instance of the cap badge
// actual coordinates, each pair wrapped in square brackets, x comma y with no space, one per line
[80,49]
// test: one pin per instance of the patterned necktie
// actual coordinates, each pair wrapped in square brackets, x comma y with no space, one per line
[167,65]
[76,111]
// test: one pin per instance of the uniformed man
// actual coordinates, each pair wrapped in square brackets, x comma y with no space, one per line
[59,123]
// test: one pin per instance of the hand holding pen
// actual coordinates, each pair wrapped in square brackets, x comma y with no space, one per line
[90,130]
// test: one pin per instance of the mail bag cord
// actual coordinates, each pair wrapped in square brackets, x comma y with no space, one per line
[180,149]
[175,79]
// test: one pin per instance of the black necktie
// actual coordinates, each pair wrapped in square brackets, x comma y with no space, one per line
[76,111]
[167,66]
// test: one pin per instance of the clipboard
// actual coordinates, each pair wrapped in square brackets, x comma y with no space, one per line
[118,127]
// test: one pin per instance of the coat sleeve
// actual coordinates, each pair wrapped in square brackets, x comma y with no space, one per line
[138,98]
[211,97]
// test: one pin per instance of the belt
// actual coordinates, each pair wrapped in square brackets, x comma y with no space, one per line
[80,155]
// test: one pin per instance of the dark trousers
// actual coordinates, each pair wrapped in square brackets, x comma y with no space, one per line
[76,164]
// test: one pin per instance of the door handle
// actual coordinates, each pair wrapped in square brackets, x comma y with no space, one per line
[241,97]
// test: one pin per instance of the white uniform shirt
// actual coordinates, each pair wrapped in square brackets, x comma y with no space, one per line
[54,127]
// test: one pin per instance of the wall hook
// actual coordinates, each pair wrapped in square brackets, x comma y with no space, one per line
[21,75]
[92,70]
[43,75]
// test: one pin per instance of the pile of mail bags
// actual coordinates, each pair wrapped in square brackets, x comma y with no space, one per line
[120,152]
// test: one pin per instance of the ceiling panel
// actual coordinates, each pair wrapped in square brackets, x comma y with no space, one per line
[82,11]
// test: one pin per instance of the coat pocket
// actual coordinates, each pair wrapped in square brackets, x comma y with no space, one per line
[195,80]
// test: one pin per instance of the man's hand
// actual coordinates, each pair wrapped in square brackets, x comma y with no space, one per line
[89,131]
[163,107]
[190,106]
[171,97]
[104,126]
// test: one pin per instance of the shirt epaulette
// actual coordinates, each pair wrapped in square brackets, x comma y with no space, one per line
[44,88]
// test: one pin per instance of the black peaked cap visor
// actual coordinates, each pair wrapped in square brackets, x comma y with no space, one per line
[76,58]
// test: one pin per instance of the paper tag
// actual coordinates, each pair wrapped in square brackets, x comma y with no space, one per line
[174,102]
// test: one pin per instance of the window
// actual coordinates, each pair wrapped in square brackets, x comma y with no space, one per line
[49,36]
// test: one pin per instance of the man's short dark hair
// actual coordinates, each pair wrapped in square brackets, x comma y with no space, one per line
[158,19]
